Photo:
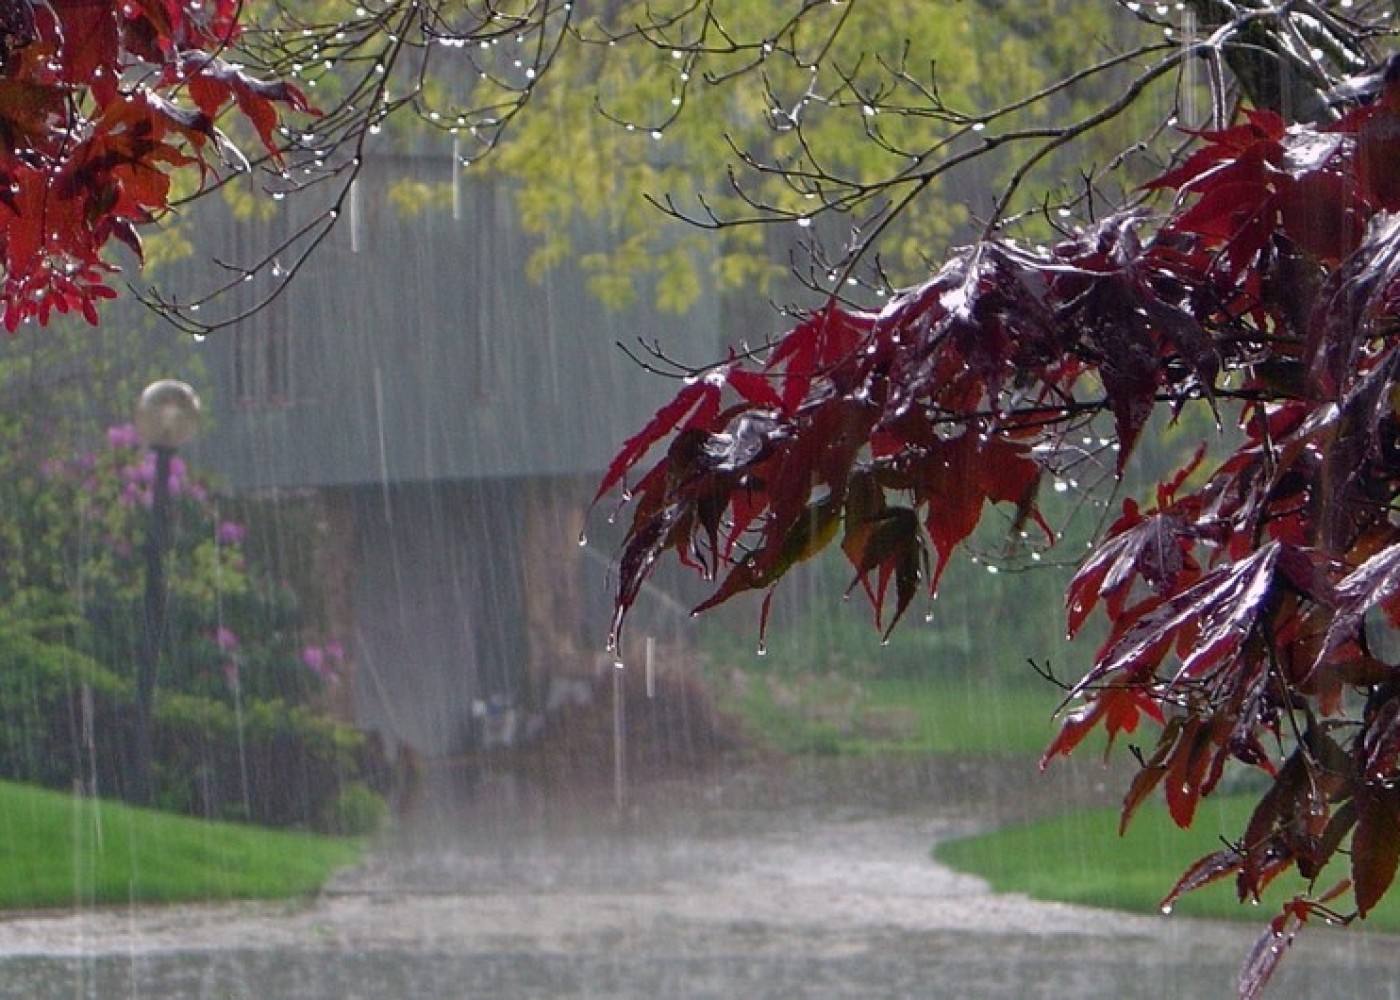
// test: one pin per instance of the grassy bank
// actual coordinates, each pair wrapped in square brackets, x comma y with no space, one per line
[1079,858]
[61,850]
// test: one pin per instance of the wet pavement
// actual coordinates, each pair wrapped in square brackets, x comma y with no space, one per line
[792,881]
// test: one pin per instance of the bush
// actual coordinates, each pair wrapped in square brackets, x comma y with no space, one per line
[280,764]
[48,698]
[356,811]
[65,721]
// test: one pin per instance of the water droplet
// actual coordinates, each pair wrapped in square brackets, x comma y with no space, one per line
[582,539]
[762,649]
[1167,909]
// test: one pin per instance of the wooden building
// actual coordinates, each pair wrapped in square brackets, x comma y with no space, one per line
[451,418]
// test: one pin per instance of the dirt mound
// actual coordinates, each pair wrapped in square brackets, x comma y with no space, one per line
[668,726]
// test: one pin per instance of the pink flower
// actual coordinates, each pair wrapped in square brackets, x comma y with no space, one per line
[314,658]
[123,436]
[230,533]
[225,638]
[144,470]
[179,474]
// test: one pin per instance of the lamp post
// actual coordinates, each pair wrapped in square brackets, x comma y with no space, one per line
[167,416]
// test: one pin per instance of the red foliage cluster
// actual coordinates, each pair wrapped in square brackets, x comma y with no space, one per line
[100,102]
[1239,601]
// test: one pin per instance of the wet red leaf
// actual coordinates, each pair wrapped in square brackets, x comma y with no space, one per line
[95,122]
[1375,844]
[1211,868]
[695,406]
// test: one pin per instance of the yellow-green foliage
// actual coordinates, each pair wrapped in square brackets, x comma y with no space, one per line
[697,112]
[413,197]
[672,124]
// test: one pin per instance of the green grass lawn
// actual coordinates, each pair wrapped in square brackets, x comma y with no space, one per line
[1079,858]
[803,713]
[957,716]
[61,850]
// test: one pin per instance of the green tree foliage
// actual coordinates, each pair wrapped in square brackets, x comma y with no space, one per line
[663,114]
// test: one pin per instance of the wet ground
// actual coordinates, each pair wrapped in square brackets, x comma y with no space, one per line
[782,881]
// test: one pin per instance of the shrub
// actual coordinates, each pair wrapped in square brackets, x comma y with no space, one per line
[65,720]
[280,764]
[48,697]
[356,811]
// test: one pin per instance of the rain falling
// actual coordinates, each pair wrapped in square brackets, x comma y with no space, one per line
[707,500]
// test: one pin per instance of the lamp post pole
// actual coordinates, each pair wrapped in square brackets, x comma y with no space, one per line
[167,416]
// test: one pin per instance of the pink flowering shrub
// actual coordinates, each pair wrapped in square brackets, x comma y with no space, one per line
[233,627]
